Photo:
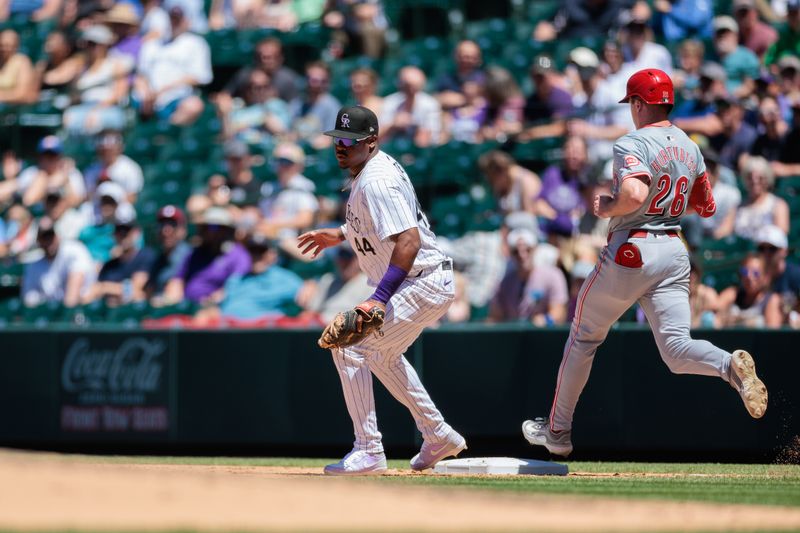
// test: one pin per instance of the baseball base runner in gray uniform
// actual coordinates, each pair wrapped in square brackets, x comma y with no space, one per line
[659,175]
[413,282]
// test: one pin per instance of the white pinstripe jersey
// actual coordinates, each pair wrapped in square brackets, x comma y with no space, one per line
[383,203]
[666,158]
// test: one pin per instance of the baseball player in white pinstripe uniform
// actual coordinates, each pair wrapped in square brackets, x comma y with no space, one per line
[659,174]
[413,283]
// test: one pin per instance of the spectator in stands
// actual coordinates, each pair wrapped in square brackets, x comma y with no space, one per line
[122,278]
[752,303]
[640,51]
[124,21]
[172,249]
[364,87]
[217,194]
[155,22]
[290,205]
[17,77]
[68,221]
[693,114]
[21,231]
[789,164]
[411,113]
[64,274]
[529,292]
[754,34]
[344,288]
[359,26]
[37,10]
[771,142]
[102,87]
[466,122]
[741,64]
[506,105]
[549,101]
[468,67]
[728,199]
[703,300]
[99,237]
[559,200]
[580,271]
[238,190]
[773,245]
[269,58]
[59,67]
[761,207]
[736,137]
[479,257]
[194,11]
[609,119]
[52,171]
[686,77]
[315,110]
[168,74]
[264,290]
[677,20]
[580,73]
[789,74]
[788,43]
[582,18]
[259,116]
[514,187]
[206,269]
[111,164]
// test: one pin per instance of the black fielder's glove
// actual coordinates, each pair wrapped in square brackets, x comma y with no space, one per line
[346,330]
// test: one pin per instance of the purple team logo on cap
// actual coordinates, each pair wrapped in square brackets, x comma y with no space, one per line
[345,120]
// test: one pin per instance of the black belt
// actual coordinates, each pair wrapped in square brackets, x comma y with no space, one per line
[447,264]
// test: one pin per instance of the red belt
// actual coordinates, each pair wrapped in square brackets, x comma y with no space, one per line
[641,233]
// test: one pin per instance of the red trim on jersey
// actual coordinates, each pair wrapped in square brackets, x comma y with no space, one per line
[638,175]
[578,314]
[660,124]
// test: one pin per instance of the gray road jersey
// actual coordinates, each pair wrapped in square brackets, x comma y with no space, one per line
[669,161]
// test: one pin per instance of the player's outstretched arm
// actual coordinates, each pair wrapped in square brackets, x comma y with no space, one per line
[631,196]
[317,240]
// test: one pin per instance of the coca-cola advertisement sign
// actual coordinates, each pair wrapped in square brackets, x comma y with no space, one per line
[114,383]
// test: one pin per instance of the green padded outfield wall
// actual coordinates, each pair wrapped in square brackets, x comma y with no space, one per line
[276,392]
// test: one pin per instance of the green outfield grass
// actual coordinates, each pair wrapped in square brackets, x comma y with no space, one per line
[721,483]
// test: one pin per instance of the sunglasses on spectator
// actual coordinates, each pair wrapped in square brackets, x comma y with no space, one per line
[122,228]
[767,249]
[341,141]
[750,273]
[283,162]
[168,222]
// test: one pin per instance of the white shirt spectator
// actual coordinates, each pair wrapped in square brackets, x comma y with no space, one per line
[286,203]
[124,171]
[46,281]
[164,64]
[652,55]
[608,111]
[426,113]
[194,11]
[27,177]
[156,21]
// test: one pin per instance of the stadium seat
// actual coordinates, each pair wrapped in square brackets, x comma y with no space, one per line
[127,315]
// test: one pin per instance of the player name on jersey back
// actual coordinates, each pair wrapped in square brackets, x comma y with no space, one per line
[383,203]
[671,160]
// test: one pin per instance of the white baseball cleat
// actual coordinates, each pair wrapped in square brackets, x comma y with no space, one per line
[743,378]
[358,463]
[538,433]
[433,452]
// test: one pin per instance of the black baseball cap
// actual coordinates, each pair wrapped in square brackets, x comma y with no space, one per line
[355,122]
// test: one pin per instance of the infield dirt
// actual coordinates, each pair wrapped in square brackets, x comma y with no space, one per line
[52,492]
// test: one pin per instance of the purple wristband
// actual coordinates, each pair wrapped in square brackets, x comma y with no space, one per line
[389,284]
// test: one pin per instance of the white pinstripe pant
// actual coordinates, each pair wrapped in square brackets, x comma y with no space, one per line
[419,303]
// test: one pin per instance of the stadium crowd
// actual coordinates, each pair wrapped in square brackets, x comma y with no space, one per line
[174,186]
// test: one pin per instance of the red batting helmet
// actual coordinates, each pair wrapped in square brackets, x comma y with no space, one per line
[651,85]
